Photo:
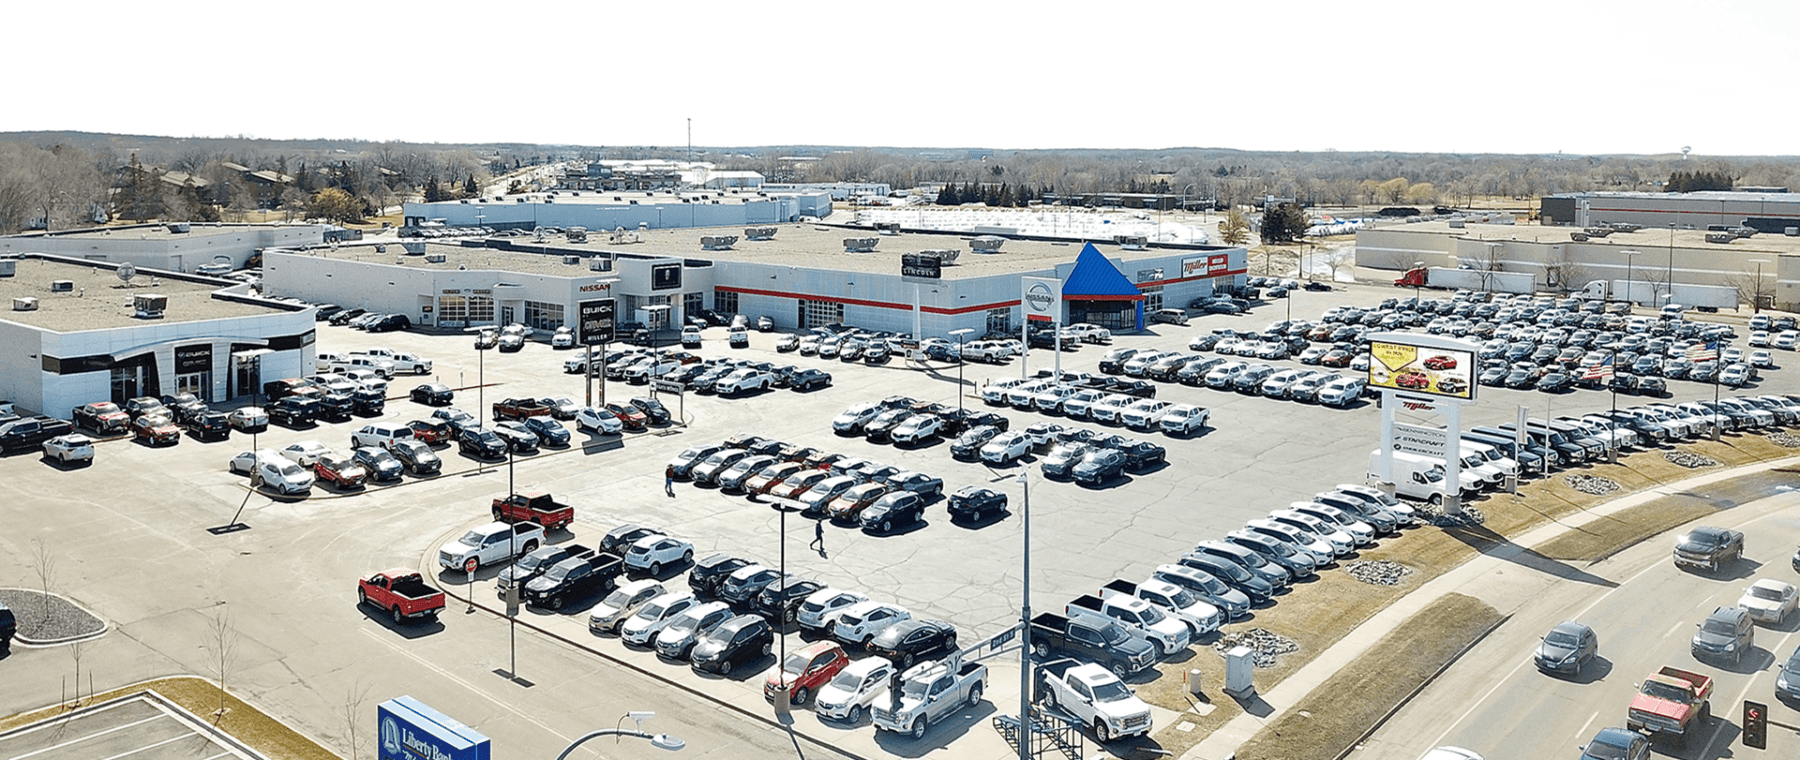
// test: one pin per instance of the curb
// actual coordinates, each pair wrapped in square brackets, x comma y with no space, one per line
[30,643]
[1420,689]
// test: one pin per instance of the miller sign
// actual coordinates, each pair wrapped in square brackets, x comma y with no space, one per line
[1041,298]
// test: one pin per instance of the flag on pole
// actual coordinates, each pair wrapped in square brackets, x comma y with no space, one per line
[1704,352]
[1600,371]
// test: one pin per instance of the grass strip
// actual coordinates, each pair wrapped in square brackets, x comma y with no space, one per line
[1608,535]
[1326,725]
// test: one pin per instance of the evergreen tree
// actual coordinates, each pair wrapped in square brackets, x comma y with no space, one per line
[1284,224]
[1005,197]
[470,189]
[433,193]
[947,195]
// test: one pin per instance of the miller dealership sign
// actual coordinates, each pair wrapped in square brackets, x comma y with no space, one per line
[1041,298]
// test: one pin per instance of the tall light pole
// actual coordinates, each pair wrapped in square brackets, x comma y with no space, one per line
[1025,627]
[1756,293]
[660,741]
[960,334]
[1671,273]
[481,347]
[1418,281]
[1630,258]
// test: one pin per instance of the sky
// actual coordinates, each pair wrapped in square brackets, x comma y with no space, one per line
[1526,76]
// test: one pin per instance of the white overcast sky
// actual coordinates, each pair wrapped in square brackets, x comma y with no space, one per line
[1525,76]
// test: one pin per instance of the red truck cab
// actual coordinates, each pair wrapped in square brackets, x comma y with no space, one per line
[806,671]
[539,508]
[402,592]
[1671,701]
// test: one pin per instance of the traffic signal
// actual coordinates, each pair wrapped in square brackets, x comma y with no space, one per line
[1756,725]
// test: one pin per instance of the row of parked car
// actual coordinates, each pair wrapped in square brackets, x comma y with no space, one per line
[847,490]
[724,376]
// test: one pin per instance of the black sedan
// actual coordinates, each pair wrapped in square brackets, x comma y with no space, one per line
[968,445]
[433,394]
[899,508]
[809,380]
[959,421]
[1099,467]
[381,465]
[739,641]
[1555,382]
[480,442]
[971,503]
[911,641]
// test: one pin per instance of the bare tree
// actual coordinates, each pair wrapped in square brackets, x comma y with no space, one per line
[1560,272]
[75,651]
[1487,263]
[1336,258]
[43,563]
[1749,287]
[221,651]
[356,697]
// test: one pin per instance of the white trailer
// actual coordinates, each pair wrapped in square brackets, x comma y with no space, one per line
[1476,279]
[1646,293]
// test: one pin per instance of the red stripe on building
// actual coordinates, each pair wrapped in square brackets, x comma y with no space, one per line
[863,302]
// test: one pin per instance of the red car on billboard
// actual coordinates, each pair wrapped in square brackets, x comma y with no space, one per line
[1440,363]
[1413,379]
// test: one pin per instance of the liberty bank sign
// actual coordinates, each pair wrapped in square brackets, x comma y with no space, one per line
[411,730]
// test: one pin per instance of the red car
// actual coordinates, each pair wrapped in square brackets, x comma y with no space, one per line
[806,671]
[632,417]
[1412,379]
[1337,357]
[432,433]
[156,430]
[799,483]
[1440,363]
[340,472]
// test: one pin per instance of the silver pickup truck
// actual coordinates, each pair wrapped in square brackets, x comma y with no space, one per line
[930,692]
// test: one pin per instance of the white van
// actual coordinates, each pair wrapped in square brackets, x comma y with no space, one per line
[1169,316]
[1491,455]
[1422,478]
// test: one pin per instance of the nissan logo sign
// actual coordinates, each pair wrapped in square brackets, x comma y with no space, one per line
[1038,296]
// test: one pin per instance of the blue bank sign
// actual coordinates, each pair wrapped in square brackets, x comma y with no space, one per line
[410,730]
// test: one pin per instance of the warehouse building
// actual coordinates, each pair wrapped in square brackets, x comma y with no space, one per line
[76,332]
[622,209]
[174,247]
[1769,212]
[799,275]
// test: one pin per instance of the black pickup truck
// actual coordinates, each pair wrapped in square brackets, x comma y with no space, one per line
[29,433]
[1091,640]
[532,565]
[573,577]
[294,411]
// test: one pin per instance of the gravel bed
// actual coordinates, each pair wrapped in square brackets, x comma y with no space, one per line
[1788,440]
[1591,484]
[64,621]
[1689,459]
[1381,572]
[1265,645]
[1471,515]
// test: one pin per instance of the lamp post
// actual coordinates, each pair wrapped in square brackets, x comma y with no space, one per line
[1417,281]
[1756,292]
[660,741]
[1671,273]
[1025,626]
[481,347]
[960,334]
[1630,258]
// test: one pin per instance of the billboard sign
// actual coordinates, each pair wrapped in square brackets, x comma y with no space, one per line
[1418,439]
[1041,298]
[665,277]
[408,729]
[597,320]
[1422,364]
[195,358]
[921,265]
[1205,266]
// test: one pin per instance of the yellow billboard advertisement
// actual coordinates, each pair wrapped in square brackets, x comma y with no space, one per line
[1428,370]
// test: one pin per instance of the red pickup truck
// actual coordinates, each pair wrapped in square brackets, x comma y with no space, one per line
[403,592]
[539,508]
[520,408]
[1672,701]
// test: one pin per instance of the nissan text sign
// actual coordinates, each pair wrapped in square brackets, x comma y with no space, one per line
[408,729]
[1041,298]
[596,321]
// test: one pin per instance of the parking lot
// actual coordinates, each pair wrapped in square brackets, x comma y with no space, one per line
[139,506]
[139,727]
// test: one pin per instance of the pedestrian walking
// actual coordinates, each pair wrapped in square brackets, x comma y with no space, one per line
[669,483]
[818,541]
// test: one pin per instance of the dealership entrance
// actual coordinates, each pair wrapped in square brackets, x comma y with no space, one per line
[1096,292]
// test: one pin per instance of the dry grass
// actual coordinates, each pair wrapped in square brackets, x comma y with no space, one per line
[1606,536]
[1324,724]
[244,722]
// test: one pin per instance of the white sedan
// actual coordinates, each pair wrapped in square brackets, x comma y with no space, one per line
[651,553]
[73,447]
[1006,447]
[1769,601]
[305,453]
[598,420]
[245,463]
[1185,419]
[248,418]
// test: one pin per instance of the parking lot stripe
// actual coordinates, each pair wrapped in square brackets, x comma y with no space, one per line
[157,744]
[79,739]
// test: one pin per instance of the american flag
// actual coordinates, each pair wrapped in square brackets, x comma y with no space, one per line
[1599,371]
[1704,352]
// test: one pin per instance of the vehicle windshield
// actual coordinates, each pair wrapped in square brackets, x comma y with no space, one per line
[1562,639]
[915,688]
[1181,598]
[1605,751]
[557,573]
[655,611]
[614,599]
[531,562]
[848,680]
[473,538]
[795,664]
[1761,592]
[1720,626]
[1114,635]
[1664,691]
[1111,691]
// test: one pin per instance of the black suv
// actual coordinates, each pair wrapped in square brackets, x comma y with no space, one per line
[368,401]
[209,426]
[711,571]
[739,641]
[336,406]
[971,503]
[480,443]
[780,602]
[294,411]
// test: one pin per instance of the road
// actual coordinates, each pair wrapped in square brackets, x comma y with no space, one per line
[1494,701]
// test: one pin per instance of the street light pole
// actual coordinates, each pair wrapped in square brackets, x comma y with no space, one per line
[1630,258]
[1025,628]
[1756,293]
[960,335]
[660,741]
[1671,274]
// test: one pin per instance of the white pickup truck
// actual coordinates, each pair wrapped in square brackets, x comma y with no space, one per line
[1167,632]
[403,362]
[931,691]
[1177,602]
[490,544]
[1095,697]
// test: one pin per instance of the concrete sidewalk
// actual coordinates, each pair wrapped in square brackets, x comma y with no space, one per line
[1483,577]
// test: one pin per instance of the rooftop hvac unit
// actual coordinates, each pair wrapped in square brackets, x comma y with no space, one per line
[598,264]
[62,286]
[178,227]
[887,228]
[987,244]
[7,266]
[571,259]
[413,247]
[718,242]
[860,245]
[759,233]
[25,304]
[149,306]
[1720,237]
[1131,242]
[436,258]
[945,255]
[1457,224]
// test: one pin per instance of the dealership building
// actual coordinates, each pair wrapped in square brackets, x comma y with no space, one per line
[76,332]
[799,275]
[178,247]
[598,210]
[1766,211]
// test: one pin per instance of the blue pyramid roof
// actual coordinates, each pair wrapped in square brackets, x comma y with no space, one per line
[1096,279]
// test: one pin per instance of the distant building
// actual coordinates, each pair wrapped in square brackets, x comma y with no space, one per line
[1765,210]
[175,247]
[613,209]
